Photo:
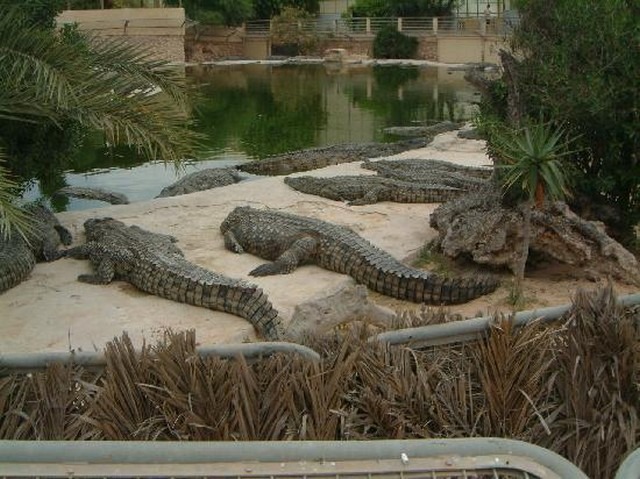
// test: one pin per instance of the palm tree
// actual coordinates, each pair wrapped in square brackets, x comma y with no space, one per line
[531,166]
[104,85]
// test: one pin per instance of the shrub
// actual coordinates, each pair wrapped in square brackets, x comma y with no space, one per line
[390,43]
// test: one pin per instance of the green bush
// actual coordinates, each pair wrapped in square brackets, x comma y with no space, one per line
[576,68]
[390,43]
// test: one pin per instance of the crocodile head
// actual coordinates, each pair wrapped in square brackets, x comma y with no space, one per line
[235,217]
[97,228]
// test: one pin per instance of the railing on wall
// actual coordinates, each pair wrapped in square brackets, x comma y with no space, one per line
[472,25]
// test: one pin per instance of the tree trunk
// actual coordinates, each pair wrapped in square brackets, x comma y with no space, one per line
[527,207]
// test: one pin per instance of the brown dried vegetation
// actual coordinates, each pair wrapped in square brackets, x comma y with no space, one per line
[571,386]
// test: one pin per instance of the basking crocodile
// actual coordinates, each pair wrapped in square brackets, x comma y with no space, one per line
[314,158]
[152,263]
[365,190]
[19,254]
[93,194]
[430,130]
[289,240]
[431,172]
[201,180]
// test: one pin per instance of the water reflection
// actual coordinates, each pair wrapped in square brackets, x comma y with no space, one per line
[252,111]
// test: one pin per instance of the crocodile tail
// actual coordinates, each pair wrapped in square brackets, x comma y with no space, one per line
[247,301]
[15,266]
[219,293]
[421,287]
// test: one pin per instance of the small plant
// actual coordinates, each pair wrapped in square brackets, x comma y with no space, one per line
[431,258]
[531,168]
[390,43]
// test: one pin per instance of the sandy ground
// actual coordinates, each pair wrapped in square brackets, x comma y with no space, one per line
[52,311]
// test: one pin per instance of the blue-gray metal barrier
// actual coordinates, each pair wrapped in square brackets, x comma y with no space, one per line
[250,351]
[630,467]
[451,458]
[472,329]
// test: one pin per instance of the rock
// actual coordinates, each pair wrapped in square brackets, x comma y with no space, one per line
[201,180]
[479,226]
[344,303]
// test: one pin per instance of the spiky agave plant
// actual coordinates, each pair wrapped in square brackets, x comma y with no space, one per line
[532,166]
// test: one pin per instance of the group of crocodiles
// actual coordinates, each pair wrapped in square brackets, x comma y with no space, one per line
[283,164]
[154,264]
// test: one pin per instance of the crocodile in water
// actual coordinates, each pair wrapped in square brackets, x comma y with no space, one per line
[289,240]
[98,194]
[364,190]
[154,264]
[19,254]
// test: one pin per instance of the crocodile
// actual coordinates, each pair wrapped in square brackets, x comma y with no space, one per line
[319,157]
[289,240]
[19,254]
[154,264]
[201,180]
[98,194]
[365,190]
[430,130]
[431,172]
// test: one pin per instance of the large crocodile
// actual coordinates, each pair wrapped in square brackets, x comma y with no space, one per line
[289,240]
[98,194]
[314,158]
[365,190]
[201,180]
[19,254]
[154,264]
[431,172]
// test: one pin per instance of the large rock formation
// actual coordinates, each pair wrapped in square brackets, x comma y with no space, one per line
[480,226]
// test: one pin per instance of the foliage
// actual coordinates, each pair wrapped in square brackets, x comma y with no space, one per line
[55,87]
[402,8]
[270,8]
[217,12]
[288,29]
[530,166]
[390,43]
[102,85]
[569,385]
[35,13]
[11,216]
[531,162]
[579,69]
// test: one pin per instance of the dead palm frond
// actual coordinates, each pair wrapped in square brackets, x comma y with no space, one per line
[571,386]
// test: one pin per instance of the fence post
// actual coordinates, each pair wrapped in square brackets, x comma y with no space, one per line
[367,25]
[434,21]
[399,24]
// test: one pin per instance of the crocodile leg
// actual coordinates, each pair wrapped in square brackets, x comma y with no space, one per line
[301,250]
[369,198]
[231,243]
[104,272]
[103,265]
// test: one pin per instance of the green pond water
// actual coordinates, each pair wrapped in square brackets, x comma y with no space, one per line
[249,112]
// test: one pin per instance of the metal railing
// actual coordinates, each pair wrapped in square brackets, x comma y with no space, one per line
[473,25]
[630,467]
[451,458]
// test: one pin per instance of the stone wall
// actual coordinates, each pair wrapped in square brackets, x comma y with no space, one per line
[162,48]
[210,44]
[158,31]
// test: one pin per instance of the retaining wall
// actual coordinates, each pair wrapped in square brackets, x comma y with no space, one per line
[158,30]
